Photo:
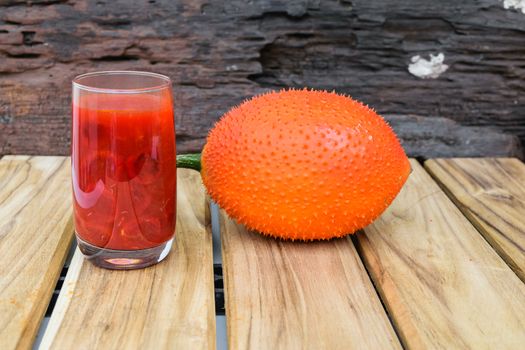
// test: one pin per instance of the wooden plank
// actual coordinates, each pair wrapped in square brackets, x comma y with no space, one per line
[286,295]
[169,305]
[491,194]
[442,283]
[218,53]
[36,229]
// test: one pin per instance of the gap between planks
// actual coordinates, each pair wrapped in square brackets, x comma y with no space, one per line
[376,288]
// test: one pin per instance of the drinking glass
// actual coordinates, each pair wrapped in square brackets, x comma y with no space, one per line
[123,167]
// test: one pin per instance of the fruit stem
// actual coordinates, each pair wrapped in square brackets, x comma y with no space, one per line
[189,161]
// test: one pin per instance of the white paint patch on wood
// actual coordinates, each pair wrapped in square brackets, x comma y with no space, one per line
[427,69]
[514,4]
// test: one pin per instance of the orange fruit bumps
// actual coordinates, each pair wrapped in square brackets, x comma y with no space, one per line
[303,164]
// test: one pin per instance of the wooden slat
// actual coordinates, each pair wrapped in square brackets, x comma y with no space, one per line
[286,295]
[491,193]
[443,284]
[170,305]
[36,229]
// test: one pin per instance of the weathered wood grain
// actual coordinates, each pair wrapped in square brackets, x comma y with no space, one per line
[36,229]
[167,306]
[442,283]
[221,52]
[491,193]
[433,137]
[286,295]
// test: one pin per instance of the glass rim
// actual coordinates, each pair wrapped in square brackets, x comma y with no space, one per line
[164,82]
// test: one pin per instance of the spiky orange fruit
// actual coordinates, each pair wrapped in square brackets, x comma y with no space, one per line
[302,164]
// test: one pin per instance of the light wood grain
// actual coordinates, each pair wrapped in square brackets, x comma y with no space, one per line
[491,194]
[170,305]
[285,295]
[36,229]
[443,284]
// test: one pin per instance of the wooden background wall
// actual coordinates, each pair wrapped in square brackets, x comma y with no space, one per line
[471,102]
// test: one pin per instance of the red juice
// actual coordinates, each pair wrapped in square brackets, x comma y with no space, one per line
[124,170]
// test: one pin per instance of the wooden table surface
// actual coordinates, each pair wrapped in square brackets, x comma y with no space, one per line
[443,267]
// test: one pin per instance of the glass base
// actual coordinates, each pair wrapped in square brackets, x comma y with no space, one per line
[124,259]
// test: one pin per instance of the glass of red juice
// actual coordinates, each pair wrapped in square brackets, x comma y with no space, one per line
[123,168]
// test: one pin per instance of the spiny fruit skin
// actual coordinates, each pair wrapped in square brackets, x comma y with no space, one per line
[303,164]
